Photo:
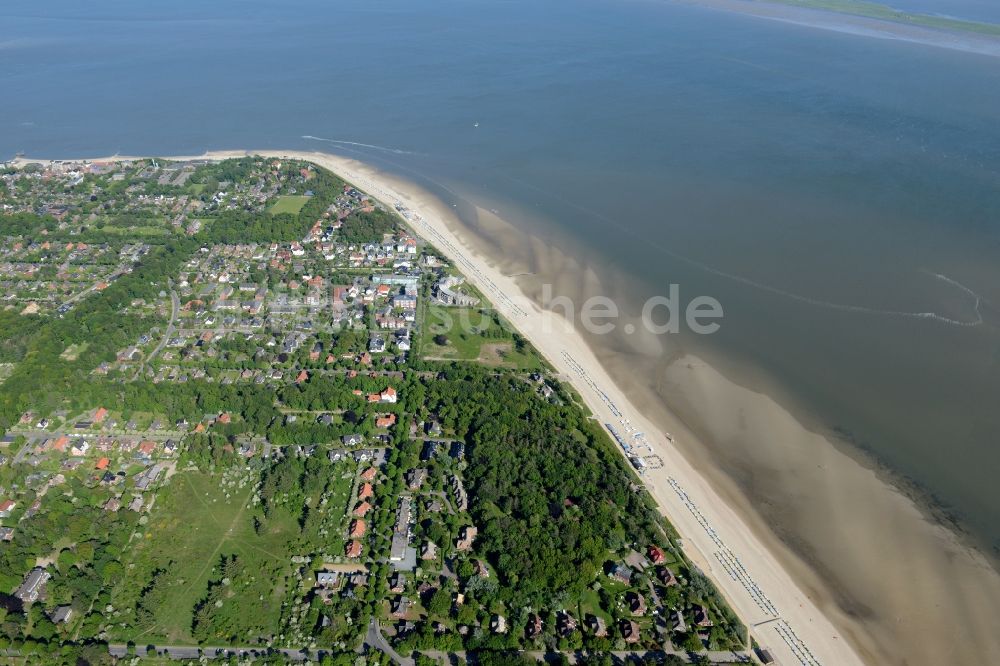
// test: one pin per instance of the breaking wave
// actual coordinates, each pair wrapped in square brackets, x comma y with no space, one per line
[341,142]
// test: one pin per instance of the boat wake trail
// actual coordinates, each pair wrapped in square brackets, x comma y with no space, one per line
[397,151]
[845,307]
[760,286]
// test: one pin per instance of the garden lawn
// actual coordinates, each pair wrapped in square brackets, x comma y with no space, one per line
[191,527]
[288,204]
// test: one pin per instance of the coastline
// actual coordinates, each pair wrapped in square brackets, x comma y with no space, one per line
[714,536]
[800,615]
[780,615]
[823,617]
[854,24]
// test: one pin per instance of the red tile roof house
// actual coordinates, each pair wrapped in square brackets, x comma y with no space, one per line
[388,395]
[385,421]
[61,443]
[303,376]
[365,492]
[100,414]
[655,555]
[6,507]
[102,463]
[534,628]
[358,528]
[353,549]
[147,448]
[362,509]
[369,474]
[225,418]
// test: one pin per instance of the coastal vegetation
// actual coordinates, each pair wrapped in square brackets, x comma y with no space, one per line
[883,12]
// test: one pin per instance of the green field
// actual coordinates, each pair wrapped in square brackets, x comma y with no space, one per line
[138,230]
[289,204]
[192,526]
[473,334]
[71,353]
[333,515]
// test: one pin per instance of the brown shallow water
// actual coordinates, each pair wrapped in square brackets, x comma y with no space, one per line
[902,586]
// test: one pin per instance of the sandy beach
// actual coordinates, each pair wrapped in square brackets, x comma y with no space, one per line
[870,579]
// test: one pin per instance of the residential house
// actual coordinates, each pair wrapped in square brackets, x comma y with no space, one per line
[621,573]
[415,478]
[62,614]
[401,532]
[636,603]
[387,396]
[466,537]
[666,576]
[597,626]
[327,579]
[400,606]
[33,585]
[629,630]
[565,623]
[679,626]
[534,628]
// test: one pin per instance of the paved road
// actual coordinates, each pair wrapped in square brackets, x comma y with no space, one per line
[189,652]
[715,657]
[175,306]
[76,297]
[375,639]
